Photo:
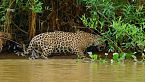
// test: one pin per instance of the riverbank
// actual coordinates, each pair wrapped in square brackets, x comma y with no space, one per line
[8,55]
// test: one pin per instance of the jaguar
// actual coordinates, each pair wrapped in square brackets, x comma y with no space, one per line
[44,44]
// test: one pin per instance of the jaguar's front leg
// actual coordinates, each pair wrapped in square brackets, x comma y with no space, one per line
[79,53]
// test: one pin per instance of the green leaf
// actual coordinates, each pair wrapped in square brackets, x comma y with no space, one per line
[95,56]
[115,56]
[122,56]
[17,1]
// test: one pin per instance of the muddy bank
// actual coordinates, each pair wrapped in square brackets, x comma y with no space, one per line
[8,55]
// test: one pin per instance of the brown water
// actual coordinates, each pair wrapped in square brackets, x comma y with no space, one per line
[68,70]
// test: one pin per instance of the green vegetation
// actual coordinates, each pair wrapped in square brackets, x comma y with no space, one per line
[116,58]
[94,57]
[124,37]
[121,23]
[123,31]
[36,6]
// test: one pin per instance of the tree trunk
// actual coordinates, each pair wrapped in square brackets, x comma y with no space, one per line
[32,25]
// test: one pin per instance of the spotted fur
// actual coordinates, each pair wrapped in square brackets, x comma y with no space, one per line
[58,41]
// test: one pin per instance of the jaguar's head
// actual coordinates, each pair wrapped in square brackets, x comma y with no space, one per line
[98,42]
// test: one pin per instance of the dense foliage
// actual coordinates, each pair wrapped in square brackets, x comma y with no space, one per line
[121,23]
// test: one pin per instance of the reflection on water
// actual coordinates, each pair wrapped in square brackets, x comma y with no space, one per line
[68,70]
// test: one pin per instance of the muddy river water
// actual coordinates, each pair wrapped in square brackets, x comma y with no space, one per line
[68,70]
